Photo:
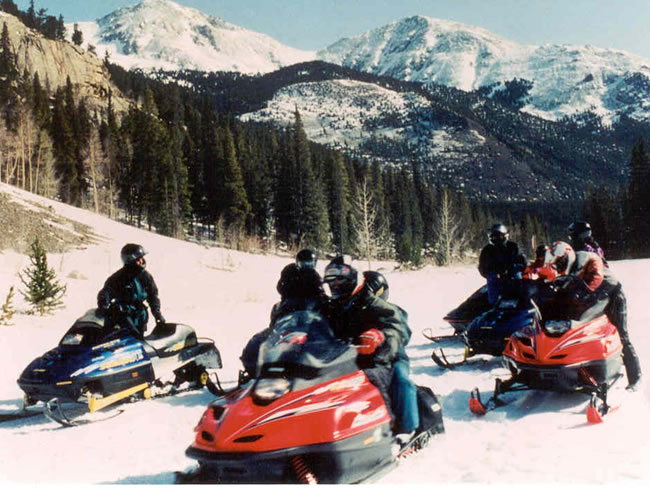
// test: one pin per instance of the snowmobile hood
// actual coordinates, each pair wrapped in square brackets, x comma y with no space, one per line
[582,342]
[66,362]
[328,412]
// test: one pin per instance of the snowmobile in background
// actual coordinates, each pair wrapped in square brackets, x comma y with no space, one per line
[310,415]
[461,316]
[489,332]
[93,367]
[569,347]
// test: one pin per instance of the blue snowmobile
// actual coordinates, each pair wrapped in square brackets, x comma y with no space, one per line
[94,367]
[489,332]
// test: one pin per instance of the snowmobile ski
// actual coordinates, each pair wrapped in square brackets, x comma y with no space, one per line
[441,359]
[19,415]
[428,333]
[55,412]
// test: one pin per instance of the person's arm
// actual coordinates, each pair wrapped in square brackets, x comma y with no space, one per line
[105,295]
[593,272]
[396,332]
[483,263]
[152,297]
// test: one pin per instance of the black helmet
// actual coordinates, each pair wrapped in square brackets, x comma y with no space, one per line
[579,230]
[306,258]
[130,253]
[341,278]
[498,234]
[377,283]
[541,251]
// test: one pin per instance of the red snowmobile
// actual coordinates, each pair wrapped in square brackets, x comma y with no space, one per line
[571,346]
[310,415]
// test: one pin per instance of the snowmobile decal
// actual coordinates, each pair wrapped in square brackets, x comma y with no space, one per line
[314,407]
[176,347]
[121,362]
[106,345]
[363,419]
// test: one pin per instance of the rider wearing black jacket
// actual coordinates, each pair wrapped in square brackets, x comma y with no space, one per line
[500,261]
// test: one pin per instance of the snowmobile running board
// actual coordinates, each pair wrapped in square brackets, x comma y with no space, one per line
[95,404]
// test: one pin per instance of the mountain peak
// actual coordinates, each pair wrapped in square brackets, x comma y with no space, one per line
[161,34]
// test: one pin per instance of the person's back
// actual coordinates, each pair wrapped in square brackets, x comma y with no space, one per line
[593,285]
[301,288]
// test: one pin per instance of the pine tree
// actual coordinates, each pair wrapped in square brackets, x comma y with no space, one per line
[44,291]
[236,207]
[338,197]
[77,35]
[637,227]
[312,226]
[8,310]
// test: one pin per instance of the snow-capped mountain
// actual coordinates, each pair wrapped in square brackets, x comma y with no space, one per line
[566,79]
[163,34]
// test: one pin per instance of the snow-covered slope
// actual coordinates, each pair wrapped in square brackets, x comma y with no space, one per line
[347,113]
[540,438]
[163,34]
[567,79]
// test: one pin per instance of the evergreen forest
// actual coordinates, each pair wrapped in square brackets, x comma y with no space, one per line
[180,163]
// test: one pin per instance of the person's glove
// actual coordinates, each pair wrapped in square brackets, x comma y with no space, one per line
[161,320]
[101,312]
[368,342]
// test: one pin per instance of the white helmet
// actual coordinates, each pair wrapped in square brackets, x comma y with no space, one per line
[562,257]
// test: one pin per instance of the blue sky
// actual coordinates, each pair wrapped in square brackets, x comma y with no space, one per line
[314,24]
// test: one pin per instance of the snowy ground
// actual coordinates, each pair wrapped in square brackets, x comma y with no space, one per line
[541,437]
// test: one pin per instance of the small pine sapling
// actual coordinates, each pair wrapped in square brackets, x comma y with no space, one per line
[44,292]
[8,310]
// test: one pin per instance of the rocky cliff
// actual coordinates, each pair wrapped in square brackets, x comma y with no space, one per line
[54,61]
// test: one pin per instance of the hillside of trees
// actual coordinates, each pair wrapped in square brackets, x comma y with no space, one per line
[571,152]
[182,164]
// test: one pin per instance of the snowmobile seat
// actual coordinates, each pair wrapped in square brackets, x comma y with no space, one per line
[168,339]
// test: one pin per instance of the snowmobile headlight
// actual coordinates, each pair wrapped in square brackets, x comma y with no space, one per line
[269,389]
[557,327]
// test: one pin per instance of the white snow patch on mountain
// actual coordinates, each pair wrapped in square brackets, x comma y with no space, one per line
[161,34]
[567,79]
[347,113]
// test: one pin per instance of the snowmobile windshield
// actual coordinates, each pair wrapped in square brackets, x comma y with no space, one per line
[302,345]
[83,334]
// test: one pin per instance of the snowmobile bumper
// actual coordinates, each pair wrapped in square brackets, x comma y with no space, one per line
[569,378]
[345,461]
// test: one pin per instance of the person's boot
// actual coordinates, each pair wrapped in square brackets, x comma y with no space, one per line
[632,368]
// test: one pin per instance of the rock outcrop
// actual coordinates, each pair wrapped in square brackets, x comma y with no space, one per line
[54,61]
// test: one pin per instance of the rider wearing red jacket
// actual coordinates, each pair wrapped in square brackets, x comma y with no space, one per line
[600,284]
[540,268]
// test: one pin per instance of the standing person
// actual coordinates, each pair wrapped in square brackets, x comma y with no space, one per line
[377,327]
[121,300]
[601,285]
[581,239]
[500,261]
